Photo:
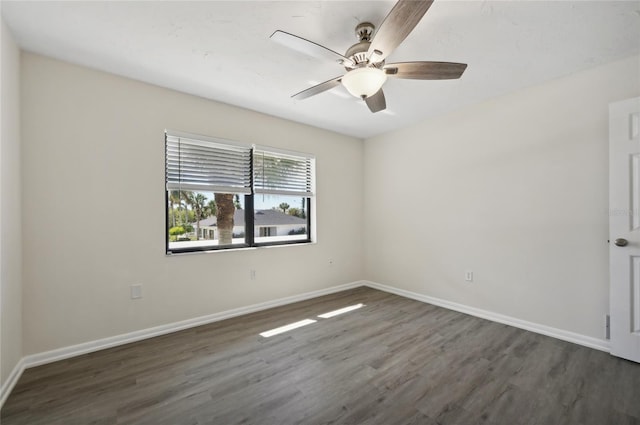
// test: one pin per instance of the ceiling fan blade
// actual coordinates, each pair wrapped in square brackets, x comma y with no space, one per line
[402,19]
[309,47]
[377,102]
[317,89]
[425,70]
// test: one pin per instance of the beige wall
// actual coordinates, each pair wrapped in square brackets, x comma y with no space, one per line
[10,227]
[93,212]
[513,189]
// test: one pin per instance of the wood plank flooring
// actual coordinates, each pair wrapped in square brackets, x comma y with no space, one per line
[393,361]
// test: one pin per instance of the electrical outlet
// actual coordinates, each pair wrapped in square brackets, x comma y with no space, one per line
[468,276]
[136,291]
[252,274]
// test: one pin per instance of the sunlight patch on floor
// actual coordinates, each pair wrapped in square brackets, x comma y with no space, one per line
[305,322]
[288,327]
[341,311]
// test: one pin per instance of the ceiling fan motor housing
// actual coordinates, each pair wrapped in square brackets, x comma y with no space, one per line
[358,52]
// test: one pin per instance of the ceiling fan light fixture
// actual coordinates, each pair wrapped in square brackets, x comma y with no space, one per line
[364,82]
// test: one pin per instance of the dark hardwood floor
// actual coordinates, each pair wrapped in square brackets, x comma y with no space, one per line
[393,361]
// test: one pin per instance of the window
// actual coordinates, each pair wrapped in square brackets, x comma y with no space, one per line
[282,184]
[222,194]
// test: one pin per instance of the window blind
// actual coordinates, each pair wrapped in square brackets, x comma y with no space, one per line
[278,173]
[207,165]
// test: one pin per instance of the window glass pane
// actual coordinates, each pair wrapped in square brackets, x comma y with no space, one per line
[199,220]
[280,218]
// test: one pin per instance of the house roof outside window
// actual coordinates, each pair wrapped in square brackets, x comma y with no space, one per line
[262,218]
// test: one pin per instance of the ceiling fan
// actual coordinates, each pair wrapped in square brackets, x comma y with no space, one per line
[365,60]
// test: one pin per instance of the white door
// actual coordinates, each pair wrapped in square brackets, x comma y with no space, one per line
[624,228]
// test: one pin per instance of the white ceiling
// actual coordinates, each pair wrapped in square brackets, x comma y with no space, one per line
[221,49]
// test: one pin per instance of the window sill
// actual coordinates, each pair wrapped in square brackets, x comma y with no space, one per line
[240,248]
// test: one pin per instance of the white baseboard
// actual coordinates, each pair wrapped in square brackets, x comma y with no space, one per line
[11,381]
[100,344]
[587,341]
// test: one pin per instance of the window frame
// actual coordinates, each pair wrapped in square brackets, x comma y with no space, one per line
[249,210]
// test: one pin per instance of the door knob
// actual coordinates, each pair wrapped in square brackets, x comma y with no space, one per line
[621,242]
